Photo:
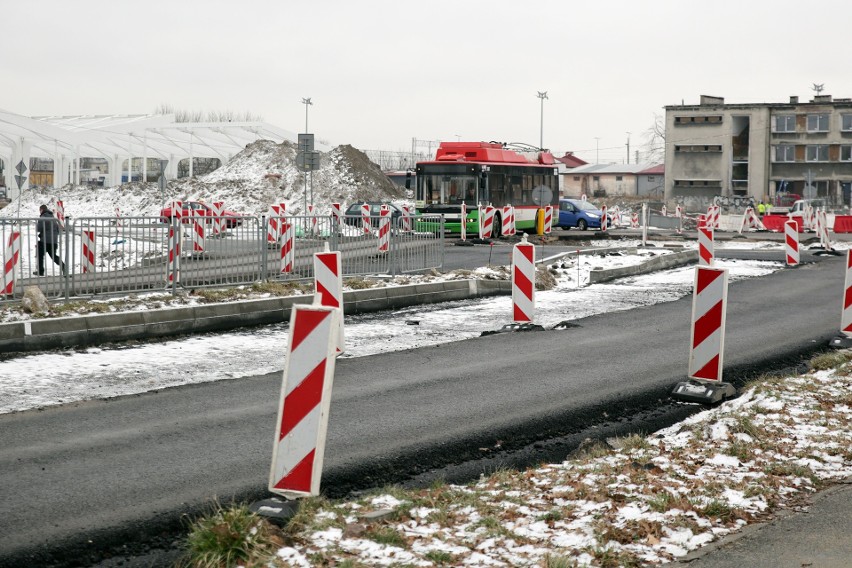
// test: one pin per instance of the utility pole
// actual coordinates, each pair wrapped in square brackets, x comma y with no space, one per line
[542,95]
[597,150]
[628,147]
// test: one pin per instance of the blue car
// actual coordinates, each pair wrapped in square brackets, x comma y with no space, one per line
[578,213]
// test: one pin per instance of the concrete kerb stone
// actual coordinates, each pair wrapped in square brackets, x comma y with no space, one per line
[52,333]
[652,265]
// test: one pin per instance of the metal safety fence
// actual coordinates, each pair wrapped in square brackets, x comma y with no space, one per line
[103,256]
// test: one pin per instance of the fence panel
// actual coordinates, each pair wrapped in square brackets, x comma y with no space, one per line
[111,256]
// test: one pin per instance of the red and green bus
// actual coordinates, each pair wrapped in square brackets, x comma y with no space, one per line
[485,173]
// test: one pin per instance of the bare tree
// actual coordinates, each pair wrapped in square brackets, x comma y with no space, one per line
[654,140]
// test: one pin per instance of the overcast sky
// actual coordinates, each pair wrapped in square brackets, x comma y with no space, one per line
[380,73]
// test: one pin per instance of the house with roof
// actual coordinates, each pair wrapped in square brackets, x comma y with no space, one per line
[602,180]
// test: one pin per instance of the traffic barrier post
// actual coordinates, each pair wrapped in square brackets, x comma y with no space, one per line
[548,219]
[407,225]
[11,254]
[336,216]
[302,421]
[645,222]
[198,235]
[288,242]
[507,220]
[707,339]
[60,213]
[706,253]
[679,215]
[365,219]
[88,251]
[175,236]
[384,229]
[219,224]
[634,220]
[328,286]
[791,243]
[487,224]
[523,281]
[463,221]
[604,220]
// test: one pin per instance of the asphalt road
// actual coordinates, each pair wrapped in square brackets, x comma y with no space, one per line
[77,476]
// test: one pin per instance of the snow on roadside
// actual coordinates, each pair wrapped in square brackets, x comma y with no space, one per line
[651,502]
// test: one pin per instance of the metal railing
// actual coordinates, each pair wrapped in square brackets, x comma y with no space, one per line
[113,256]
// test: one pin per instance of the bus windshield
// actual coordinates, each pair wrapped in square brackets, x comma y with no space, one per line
[438,189]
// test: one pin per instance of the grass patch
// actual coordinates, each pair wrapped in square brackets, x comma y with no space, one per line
[551,561]
[359,283]
[231,537]
[440,558]
[386,535]
[831,360]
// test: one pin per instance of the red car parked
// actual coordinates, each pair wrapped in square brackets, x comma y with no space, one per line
[201,209]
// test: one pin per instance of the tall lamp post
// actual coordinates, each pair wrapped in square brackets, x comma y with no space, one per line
[542,95]
[306,102]
[628,147]
[597,150]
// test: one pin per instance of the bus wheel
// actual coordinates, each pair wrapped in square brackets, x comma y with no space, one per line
[496,227]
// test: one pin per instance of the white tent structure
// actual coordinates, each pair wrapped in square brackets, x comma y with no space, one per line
[119,139]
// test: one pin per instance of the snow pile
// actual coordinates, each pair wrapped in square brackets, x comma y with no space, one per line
[652,501]
[263,174]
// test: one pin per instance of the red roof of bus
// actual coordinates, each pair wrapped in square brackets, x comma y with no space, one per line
[484,152]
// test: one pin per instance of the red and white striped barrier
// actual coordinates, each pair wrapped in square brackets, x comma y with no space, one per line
[328,285]
[583,197]
[809,217]
[288,243]
[219,225]
[604,220]
[791,242]
[274,223]
[513,225]
[645,221]
[523,281]
[11,254]
[846,316]
[707,340]
[405,219]
[706,254]
[507,220]
[679,215]
[365,219]
[463,221]
[384,228]
[177,210]
[198,235]
[60,214]
[750,221]
[312,215]
[118,220]
[548,219]
[664,211]
[336,214]
[175,236]
[714,214]
[616,217]
[634,220]
[486,222]
[88,251]
[300,429]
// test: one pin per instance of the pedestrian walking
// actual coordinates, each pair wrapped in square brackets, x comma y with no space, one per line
[47,230]
[761,209]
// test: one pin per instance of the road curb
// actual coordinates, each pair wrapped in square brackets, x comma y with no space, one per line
[79,331]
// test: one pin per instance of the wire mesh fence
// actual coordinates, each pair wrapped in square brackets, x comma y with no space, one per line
[103,256]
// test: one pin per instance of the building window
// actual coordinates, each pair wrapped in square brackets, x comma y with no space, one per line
[651,178]
[576,178]
[818,123]
[785,153]
[714,119]
[698,148]
[596,178]
[846,122]
[784,123]
[617,178]
[816,153]
[846,153]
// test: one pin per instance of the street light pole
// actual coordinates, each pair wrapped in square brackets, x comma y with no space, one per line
[628,147]
[597,150]
[542,95]
[306,102]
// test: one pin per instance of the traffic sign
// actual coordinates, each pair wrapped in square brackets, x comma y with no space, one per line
[21,167]
[20,180]
[542,195]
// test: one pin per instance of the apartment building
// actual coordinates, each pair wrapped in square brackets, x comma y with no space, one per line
[756,151]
